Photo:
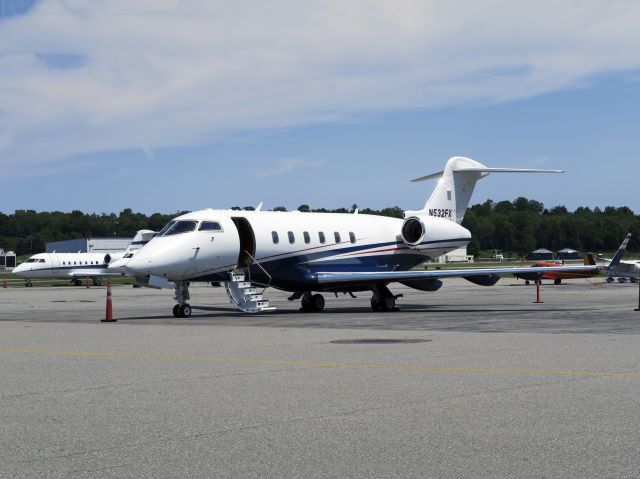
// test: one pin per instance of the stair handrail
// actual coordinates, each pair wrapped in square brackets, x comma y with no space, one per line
[259,266]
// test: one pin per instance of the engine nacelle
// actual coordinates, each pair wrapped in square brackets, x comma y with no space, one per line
[413,231]
[109,257]
[424,284]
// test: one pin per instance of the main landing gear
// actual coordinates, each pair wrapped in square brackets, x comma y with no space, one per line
[312,302]
[383,299]
[182,309]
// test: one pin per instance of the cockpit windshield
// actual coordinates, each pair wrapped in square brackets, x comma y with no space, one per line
[166,227]
[177,227]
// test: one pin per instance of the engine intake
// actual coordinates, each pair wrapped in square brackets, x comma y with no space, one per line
[413,231]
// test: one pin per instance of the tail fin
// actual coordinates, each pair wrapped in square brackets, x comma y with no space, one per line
[141,238]
[455,187]
[615,261]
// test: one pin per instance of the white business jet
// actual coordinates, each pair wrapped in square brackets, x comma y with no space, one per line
[78,266]
[307,253]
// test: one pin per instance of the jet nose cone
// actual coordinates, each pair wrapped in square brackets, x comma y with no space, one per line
[119,263]
[19,270]
[140,263]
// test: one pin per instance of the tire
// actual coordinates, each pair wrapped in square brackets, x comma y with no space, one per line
[526,282]
[306,303]
[388,304]
[317,302]
[176,311]
[185,310]
[557,281]
[375,304]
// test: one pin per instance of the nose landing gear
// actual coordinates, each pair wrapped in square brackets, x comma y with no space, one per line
[182,309]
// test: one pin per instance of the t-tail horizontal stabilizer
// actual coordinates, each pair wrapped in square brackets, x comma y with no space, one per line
[457,181]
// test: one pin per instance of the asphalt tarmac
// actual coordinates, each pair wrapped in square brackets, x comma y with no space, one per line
[468,381]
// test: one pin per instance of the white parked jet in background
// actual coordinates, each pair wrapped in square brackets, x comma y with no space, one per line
[623,270]
[78,266]
[306,253]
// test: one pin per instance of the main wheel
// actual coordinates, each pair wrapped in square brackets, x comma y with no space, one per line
[305,302]
[184,310]
[176,311]
[526,282]
[388,304]
[317,302]
[557,281]
[375,304]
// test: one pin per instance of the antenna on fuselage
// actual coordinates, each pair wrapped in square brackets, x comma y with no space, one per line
[259,207]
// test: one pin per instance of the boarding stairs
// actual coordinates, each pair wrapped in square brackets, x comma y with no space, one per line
[244,294]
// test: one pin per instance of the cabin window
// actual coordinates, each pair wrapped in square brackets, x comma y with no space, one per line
[75,262]
[336,235]
[307,238]
[274,237]
[292,238]
[179,227]
[352,237]
[321,237]
[64,263]
[210,226]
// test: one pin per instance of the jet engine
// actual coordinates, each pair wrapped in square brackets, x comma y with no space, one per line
[109,257]
[413,231]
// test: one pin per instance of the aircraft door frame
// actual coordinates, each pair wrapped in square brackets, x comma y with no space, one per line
[247,238]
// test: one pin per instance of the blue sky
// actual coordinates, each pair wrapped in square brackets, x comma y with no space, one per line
[165,107]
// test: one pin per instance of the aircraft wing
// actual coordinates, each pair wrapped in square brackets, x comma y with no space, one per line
[395,276]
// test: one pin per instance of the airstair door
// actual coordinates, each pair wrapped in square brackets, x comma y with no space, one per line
[247,242]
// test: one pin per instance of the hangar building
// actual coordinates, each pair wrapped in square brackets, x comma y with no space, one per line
[7,259]
[89,245]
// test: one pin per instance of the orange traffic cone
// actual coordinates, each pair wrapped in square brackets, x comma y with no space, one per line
[4,282]
[87,282]
[109,314]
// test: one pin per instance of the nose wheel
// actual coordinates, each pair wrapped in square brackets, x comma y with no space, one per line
[182,310]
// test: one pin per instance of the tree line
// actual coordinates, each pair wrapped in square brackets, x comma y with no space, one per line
[517,227]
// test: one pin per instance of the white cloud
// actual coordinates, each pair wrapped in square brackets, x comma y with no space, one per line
[157,73]
[288,165]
